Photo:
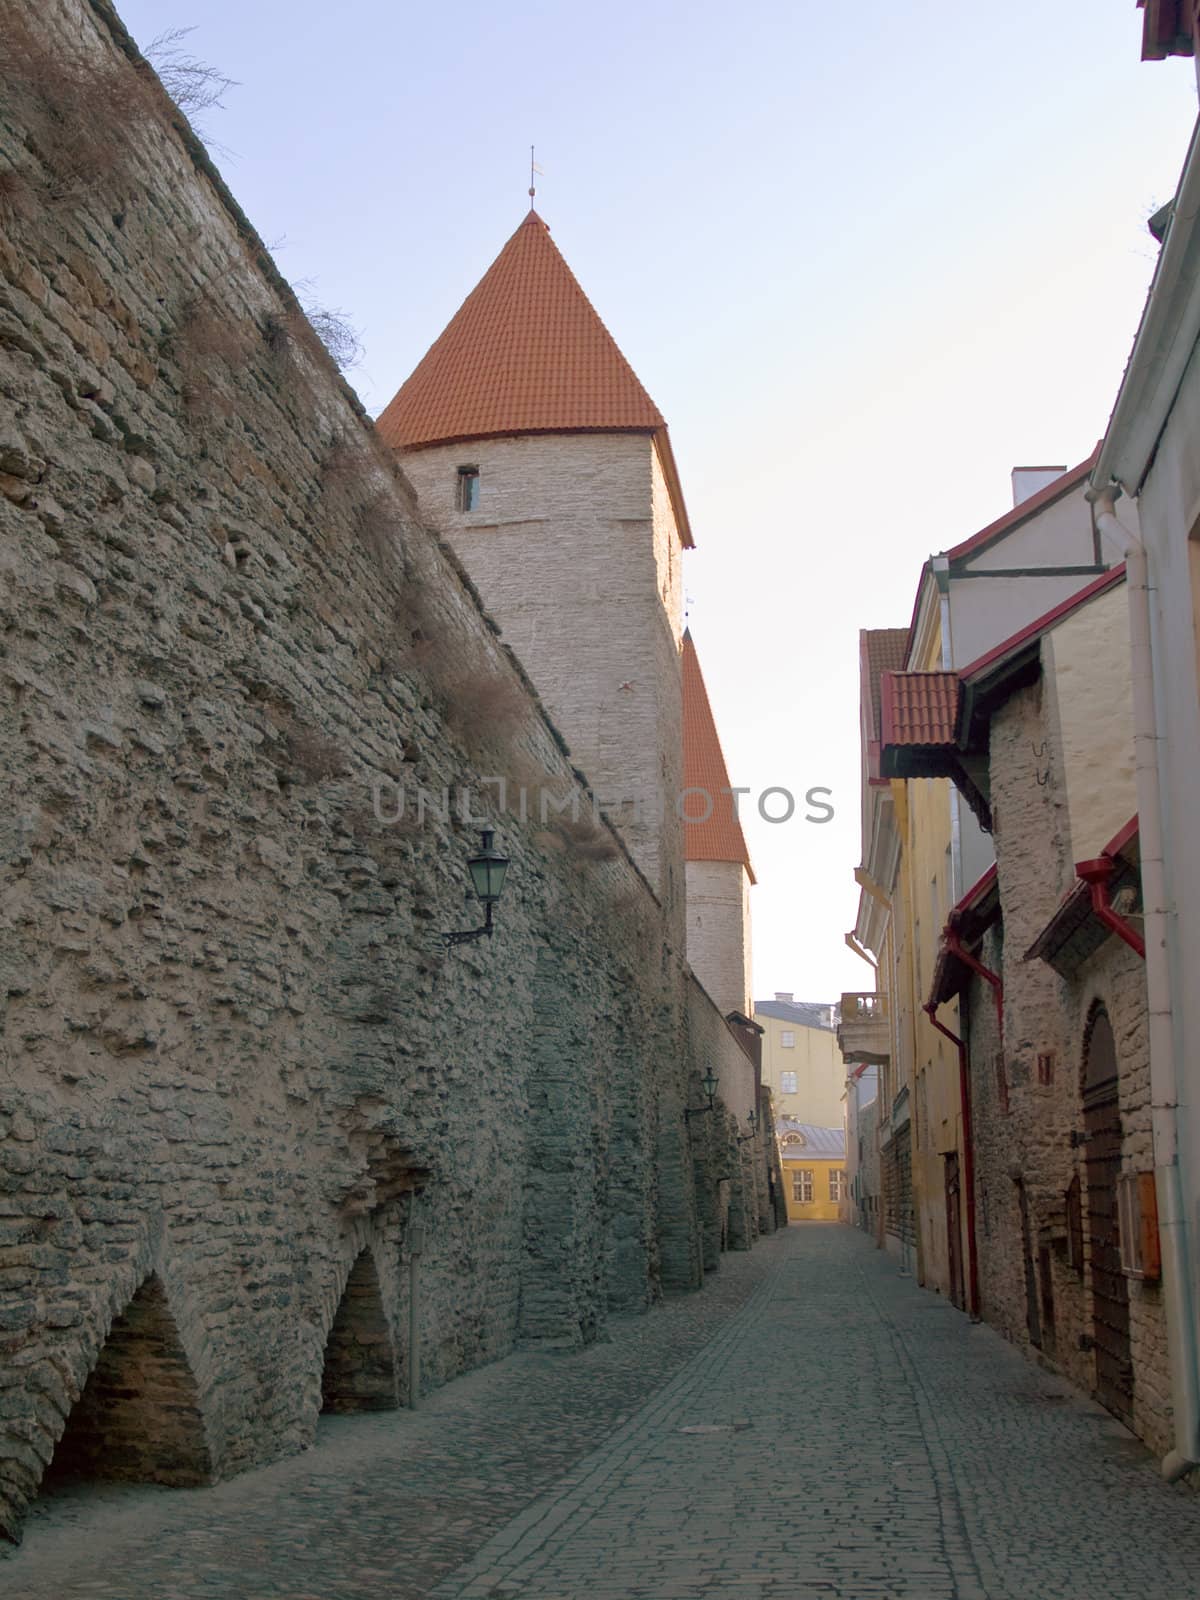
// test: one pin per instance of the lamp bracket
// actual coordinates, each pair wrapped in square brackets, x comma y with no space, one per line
[469,935]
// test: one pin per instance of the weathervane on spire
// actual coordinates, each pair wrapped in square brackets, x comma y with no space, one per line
[533,169]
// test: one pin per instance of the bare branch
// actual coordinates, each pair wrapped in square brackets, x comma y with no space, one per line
[192,84]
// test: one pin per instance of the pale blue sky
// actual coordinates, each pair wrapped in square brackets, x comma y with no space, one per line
[866,257]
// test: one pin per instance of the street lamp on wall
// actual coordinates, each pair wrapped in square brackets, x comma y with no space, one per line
[708,1084]
[487,868]
[752,1119]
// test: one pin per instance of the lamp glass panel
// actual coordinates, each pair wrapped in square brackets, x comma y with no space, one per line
[487,875]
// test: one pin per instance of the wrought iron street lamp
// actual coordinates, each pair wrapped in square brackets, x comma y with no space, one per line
[709,1085]
[487,868]
[752,1119]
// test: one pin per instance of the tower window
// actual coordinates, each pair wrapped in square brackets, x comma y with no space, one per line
[467,494]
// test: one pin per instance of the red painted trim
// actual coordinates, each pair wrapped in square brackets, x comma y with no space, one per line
[964,1095]
[956,948]
[1042,624]
[1028,508]
[1101,869]
[1119,840]
[977,890]
[1096,875]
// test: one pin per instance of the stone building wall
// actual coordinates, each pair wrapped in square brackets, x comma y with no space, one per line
[1027,1115]
[238,1065]
[576,557]
[724,1168]
[718,931]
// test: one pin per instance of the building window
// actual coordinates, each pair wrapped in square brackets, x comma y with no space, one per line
[1045,1067]
[837,1183]
[788,1039]
[467,496]
[802,1186]
[787,1083]
[1137,1221]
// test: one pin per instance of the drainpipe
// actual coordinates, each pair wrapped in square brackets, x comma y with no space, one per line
[964,1094]
[956,948]
[1164,1093]
[1096,875]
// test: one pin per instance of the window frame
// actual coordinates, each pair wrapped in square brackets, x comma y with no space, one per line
[466,489]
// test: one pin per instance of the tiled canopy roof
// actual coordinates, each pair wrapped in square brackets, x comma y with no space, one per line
[526,353]
[719,837]
[919,708]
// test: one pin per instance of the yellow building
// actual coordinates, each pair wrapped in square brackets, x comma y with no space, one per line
[801,1062]
[814,1170]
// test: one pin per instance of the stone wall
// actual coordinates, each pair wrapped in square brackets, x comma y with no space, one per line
[724,1167]
[1027,1108]
[239,1066]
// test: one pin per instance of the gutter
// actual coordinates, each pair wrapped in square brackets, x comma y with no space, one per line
[964,1094]
[1178,1292]
[1096,875]
[956,948]
[861,950]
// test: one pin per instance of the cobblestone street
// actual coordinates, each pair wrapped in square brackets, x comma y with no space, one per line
[725,1446]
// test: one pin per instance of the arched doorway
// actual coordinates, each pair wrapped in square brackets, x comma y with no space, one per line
[1102,1154]
[138,1417]
[360,1360]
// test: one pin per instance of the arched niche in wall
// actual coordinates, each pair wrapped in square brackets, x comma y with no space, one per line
[360,1358]
[138,1417]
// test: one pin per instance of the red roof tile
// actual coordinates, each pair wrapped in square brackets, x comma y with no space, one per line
[719,837]
[526,353]
[919,708]
[1169,28]
[886,651]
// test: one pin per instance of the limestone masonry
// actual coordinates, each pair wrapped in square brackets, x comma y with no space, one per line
[242,1080]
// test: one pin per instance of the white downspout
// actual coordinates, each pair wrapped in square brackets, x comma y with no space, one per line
[1177,1277]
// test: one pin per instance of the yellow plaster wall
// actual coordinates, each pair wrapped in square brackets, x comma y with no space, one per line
[817,1063]
[822,1208]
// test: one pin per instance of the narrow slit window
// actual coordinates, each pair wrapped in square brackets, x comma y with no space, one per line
[468,489]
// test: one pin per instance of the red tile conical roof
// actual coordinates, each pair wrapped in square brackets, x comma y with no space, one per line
[719,837]
[526,353]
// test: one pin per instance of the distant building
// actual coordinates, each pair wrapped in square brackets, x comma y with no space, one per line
[801,1062]
[814,1170]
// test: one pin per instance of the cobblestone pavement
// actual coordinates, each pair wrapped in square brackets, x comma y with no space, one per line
[812,1425]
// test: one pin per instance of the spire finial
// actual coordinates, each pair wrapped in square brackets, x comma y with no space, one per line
[533,168]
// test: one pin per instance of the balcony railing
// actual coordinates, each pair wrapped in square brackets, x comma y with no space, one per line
[863,1032]
[864,1008]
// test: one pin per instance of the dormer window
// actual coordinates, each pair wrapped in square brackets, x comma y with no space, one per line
[467,492]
